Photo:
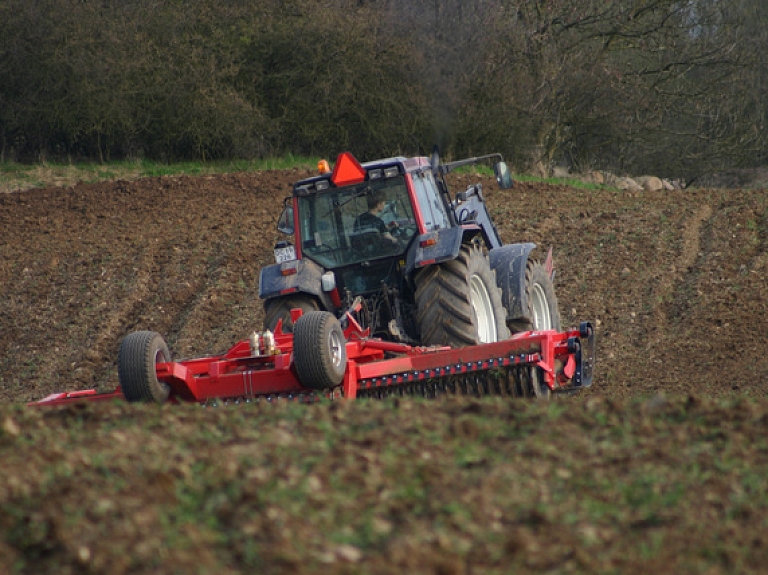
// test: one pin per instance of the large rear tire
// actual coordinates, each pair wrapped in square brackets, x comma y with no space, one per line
[280,308]
[319,350]
[458,302]
[543,312]
[139,353]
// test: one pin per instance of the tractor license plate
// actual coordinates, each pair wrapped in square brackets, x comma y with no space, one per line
[285,254]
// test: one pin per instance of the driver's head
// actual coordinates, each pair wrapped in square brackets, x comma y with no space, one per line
[375,202]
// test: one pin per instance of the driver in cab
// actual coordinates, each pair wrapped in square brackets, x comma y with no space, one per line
[370,220]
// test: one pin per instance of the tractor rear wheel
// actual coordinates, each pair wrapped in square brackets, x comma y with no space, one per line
[139,353]
[458,302]
[319,350]
[280,308]
[542,313]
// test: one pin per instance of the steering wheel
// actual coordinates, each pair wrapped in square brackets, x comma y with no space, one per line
[403,230]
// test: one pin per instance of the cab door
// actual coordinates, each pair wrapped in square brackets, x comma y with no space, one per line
[431,206]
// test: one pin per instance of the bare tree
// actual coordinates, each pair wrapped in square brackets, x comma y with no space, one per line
[616,85]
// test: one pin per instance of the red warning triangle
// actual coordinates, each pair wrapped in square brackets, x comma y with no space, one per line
[347,170]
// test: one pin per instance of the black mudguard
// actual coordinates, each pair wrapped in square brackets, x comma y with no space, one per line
[509,264]
[307,279]
[447,246]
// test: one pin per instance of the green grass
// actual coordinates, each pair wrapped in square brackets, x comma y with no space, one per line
[18,177]
[572,486]
[573,182]
[15,177]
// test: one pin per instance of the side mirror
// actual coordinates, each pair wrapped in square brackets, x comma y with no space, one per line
[503,175]
[285,222]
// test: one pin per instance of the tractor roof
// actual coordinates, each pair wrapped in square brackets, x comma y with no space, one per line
[406,165]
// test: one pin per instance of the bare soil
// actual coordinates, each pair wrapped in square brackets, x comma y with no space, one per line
[674,280]
[660,466]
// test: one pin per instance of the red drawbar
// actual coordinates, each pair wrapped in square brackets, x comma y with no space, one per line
[347,170]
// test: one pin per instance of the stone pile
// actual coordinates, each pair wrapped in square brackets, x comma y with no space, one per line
[640,184]
[643,183]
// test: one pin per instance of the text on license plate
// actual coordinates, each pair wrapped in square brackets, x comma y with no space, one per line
[285,254]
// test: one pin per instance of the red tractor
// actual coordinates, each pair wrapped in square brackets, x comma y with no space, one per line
[391,286]
[415,265]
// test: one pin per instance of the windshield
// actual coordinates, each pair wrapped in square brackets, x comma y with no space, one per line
[358,223]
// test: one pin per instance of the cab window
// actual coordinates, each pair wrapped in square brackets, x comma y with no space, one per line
[334,231]
[430,203]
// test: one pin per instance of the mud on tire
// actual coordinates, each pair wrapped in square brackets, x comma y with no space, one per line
[139,352]
[458,302]
[280,308]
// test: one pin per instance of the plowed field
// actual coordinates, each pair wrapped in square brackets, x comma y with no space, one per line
[662,466]
[674,280]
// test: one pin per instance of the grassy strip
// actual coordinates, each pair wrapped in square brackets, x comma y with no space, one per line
[456,486]
[18,177]
[573,182]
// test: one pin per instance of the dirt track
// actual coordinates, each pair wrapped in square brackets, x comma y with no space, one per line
[675,280]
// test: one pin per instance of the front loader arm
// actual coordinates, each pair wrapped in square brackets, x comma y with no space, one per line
[469,207]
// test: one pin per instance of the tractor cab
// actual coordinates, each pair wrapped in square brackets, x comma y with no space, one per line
[385,238]
[356,223]
[359,223]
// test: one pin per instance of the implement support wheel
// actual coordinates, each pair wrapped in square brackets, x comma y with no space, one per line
[139,352]
[319,350]
[538,388]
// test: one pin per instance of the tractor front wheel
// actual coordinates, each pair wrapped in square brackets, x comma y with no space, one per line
[458,302]
[139,353]
[319,350]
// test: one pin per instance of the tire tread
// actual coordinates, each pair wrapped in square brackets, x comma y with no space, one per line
[136,367]
[443,303]
[311,355]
